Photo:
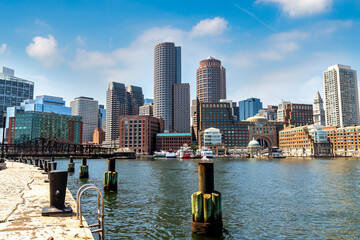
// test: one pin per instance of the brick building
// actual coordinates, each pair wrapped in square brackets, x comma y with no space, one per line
[298,114]
[98,136]
[308,140]
[138,133]
[172,141]
[345,140]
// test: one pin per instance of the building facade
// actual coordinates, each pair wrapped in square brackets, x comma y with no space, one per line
[98,136]
[101,117]
[298,114]
[269,114]
[318,110]
[172,141]
[134,99]
[345,140]
[13,90]
[302,141]
[26,126]
[138,133]
[281,110]
[237,134]
[87,109]
[181,108]
[341,96]
[147,109]
[249,108]
[167,72]
[210,81]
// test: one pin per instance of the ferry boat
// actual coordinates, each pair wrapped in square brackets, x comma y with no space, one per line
[161,154]
[206,152]
[185,152]
[170,155]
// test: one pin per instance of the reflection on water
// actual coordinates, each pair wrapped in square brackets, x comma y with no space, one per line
[293,198]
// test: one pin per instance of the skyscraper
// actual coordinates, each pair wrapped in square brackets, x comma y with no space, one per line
[115,107]
[210,81]
[249,108]
[281,110]
[167,72]
[134,99]
[13,90]
[87,108]
[318,110]
[341,96]
[181,107]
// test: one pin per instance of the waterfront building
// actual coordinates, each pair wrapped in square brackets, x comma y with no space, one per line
[345,140]
[181,107]
[120,101]
[310,140]
[249,108]
[134,99]
[341,96]
[148,100]
[237,134]
[281,110]
[318,111]
[172,141]
[87,109]
[167,72]
[210,81]
[138,133]
[253,148]
[13,90]
[98,136]
[147,109]
[211,138]
[25,126]
[101,117]
[298,114]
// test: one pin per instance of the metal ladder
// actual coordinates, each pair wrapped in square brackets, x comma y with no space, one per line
[100,209]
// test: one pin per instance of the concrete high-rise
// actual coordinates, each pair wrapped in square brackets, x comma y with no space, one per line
[318,110]
[87,108]
[167,72]
[210,81]
[181,108]
[249,108]
[115,107]
[341,96]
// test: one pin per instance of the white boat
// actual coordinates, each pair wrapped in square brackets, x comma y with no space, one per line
[160,154]
[185,152]
[206,152]
[170,155]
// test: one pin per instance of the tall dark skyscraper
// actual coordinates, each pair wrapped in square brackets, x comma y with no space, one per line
[167,72]
[134,100]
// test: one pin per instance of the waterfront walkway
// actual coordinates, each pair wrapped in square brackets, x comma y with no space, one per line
[23,194]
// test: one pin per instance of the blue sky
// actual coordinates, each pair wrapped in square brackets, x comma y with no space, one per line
[271,49]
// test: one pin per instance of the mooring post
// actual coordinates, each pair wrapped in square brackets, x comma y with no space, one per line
[110,177]
[84,169]
[51,167]
[58,182]
[41,164]
[45,166]
[206,204]
[71,165]
[36,162]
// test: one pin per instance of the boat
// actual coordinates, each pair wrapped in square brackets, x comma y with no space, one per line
[185,152]
[161,154]
[206,152]
[170,155]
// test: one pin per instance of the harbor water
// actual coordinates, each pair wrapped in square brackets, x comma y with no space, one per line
[292,198]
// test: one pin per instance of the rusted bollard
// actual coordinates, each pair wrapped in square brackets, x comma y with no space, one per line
[84,169]
[45,166]
[110,177]
[51,167]
[58,182]
[206,204]
[71,165]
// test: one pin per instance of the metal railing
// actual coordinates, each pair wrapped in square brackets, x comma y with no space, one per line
[100,209]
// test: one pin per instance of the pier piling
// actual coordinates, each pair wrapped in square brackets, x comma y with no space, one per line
[206,204]
[110,177]
[84,169]
[71,165]
[57,186]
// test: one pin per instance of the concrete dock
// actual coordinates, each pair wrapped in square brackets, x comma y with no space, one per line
[23,194]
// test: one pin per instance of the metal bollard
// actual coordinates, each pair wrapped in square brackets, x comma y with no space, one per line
[51,167]
[36,162]
[57,186]
[45,166]
[41,164]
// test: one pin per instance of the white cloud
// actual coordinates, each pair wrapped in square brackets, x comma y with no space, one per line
[209,27]
[80,40]
[298,8]
[44,50]
[3,48]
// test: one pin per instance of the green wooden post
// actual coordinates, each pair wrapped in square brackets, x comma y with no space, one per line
[84,169]
[110,177]
[206,204]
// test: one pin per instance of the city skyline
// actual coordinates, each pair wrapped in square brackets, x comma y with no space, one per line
[278,37]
